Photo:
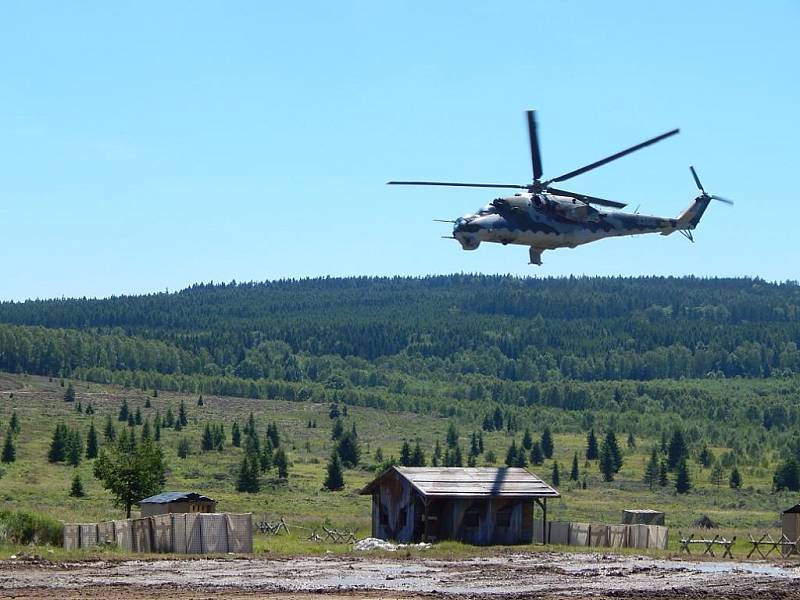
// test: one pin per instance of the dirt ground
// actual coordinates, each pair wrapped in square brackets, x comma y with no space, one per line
[541,575]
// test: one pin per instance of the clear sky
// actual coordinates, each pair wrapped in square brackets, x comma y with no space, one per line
[151,145]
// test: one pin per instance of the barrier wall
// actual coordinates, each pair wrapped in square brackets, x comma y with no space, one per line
[608,536]
[186,533]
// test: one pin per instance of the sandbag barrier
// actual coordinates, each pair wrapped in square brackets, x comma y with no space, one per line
[182,533]
[600,535]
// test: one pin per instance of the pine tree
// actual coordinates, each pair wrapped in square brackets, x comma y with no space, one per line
[537,457]
[335,478]
[124,411]
[379,455]
[474,445]
[705,457]
[735,480]
[275,437]
[527,440]
[682,482]
[157,434]
[91,442]
[498,419]
[547,443]
[606,464]
[155,392]
[282,464]
[76,490]
[147,403]
[9,451]
[405,454]
[109,433]
[207,441]
[137,416]
[69,395]
[79,408]
[574,474]
[480,442]
[522,459]
[182,416]
[248,479]
[651,469]
[131,420]
[556,478]
[334,413]
[58,444]
[200,401]
[14,423]
[178,425]
[236,435]
[631,441]
[267,456]
[592,452]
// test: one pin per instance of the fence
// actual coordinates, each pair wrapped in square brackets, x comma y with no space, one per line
[185,533]
[604,536]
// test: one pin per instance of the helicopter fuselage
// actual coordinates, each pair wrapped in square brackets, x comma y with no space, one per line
[547,221]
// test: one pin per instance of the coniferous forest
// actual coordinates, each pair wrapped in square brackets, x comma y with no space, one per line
[646,353]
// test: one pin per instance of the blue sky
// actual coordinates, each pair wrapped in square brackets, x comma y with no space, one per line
[152,145]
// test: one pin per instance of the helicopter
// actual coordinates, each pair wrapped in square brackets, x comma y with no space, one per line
[545,218]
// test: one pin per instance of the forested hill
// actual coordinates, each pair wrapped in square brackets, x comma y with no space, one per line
[504,327]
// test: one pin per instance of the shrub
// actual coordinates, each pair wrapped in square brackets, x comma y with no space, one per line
[26,527]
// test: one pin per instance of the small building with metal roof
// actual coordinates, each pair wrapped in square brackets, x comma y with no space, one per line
[477,505]
[176,502]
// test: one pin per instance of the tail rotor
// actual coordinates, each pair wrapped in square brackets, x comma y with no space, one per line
[703,191]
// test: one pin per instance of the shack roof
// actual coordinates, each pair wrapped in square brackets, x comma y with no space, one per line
[485,482]
[794,509]
[167,497]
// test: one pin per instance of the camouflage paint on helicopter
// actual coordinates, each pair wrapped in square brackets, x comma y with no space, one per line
[545,218]
[547,222]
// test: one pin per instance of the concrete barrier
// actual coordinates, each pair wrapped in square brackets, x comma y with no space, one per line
[240,533]
[579,534]
[598,535]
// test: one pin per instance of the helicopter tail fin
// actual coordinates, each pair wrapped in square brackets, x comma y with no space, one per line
[689,218]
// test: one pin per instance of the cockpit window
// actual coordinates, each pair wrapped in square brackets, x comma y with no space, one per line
[486,210]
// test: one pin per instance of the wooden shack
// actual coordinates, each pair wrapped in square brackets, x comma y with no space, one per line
[642,516]
[477,505]
[176,502]
[790,522]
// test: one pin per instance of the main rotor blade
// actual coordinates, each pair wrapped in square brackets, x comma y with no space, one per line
[608,159]
[536,157]
[458,184]
[721,199]
[588,199]
[697,179]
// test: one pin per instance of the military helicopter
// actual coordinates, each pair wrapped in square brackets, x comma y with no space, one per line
[545,218]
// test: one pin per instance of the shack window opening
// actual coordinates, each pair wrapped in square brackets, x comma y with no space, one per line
[472,518]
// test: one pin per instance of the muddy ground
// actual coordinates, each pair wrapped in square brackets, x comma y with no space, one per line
[541,575]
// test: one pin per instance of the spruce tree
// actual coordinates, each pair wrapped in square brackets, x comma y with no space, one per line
[69,395]
[537,457]
[592,452]
[131,420]
[169,419]
[14,423]
[606,464]
[547,443]
[405,454]
[207,441]
[335,478]
[91,442]
[184,448]
[9,452]
[511,454]
[124,411]
[137,416]
[436,460]
[236,435]
[109,433]
[716,475]
[498,419]
[76,490]
[631,441]
[248,479]
[677,450]
[157,434]
[611,447]
[182,416]
[662,473]
[337,430]
[147,403]
[735,480]
[574,474]
[282,464]
[74,447]
[682,482]
[200,401]
[474,445]
[349,450]
[527,440]
[178,425]
[58,445]
[146,433]
[418,456]
[651,470]
[452,435]
[275,437]
[556,478]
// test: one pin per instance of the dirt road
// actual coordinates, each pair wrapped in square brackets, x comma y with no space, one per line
[541,575]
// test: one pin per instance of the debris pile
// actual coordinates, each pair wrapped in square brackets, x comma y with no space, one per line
[375,544]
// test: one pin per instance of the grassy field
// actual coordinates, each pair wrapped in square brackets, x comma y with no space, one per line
[31,483]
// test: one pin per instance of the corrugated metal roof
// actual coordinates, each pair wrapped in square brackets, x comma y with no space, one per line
[472,482]
[167,497]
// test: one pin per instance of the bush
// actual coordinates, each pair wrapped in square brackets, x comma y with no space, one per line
[25,527]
